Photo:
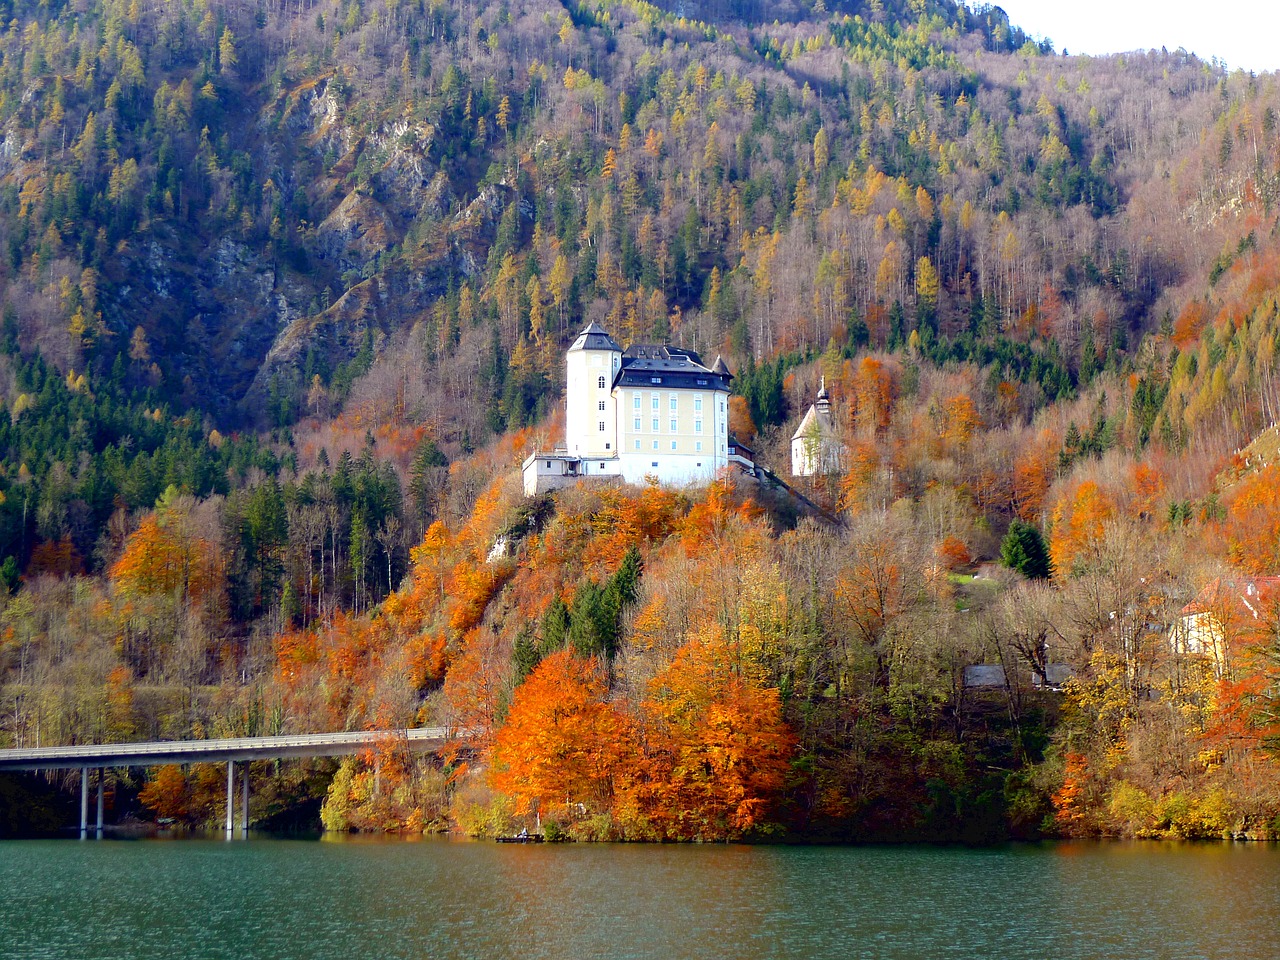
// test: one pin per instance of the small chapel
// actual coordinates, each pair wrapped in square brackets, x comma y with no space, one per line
[816,447]
[652,411]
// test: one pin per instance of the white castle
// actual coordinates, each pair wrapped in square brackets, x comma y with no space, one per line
[651,411]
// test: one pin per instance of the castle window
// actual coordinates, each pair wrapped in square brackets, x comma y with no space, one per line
[673,445]
[675,425]
[655,424]
[675,403]
[697,448]
[635,400]
[654,403]
[635,424]
[655,444]
[601,427]
[608,446]
[600,382]
[655,379]
[637,444]
[697,403]
[600,405]
[702,383]
[697,426]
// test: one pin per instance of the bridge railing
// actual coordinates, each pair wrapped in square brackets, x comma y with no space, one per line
[228,750]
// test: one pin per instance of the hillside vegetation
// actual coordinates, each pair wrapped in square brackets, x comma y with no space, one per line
[285,296]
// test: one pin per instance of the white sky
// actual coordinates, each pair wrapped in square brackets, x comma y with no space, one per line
[1244,33]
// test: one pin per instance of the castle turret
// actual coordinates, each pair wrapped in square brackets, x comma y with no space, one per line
[591,421]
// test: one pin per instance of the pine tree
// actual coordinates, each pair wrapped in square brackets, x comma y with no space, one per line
[1023,549]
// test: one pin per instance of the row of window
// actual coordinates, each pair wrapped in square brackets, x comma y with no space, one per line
[675,446]
[673,401]
[673,425]
[636,425]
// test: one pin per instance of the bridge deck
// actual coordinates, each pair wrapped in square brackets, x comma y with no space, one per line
[148,754]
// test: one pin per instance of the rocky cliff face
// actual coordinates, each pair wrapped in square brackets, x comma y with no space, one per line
[229,309]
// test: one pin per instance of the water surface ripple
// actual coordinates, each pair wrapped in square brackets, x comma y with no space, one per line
[307,900]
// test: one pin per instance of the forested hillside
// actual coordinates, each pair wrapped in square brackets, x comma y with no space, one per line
[286,291]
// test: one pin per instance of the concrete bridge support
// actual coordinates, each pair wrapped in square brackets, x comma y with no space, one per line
[231,800]
[84,802]
[231,793]
[102,775]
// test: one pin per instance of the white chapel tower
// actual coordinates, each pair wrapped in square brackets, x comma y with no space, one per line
[591,416]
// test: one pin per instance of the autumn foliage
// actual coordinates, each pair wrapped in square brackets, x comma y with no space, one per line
[1078,520]
[160,557]
[1253,522]
[705,758]
[562,747]
[718,748]
[1027,319]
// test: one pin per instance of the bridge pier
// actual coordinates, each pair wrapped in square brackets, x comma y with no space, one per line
[101,776]
[84,802]
[244,804]
[231,793]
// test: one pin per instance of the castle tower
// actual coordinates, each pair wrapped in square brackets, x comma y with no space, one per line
[591,416]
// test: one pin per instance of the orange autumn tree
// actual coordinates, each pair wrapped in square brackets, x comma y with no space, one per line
[1148,486]
[874,395]
[740,423]
[1033,475]
[414,605]
[1077,524]
[626,519]
[161,556]
[167,793]
[959,422]
[1244,719]
[859,483]
[719,750]
[711,519]
[476,683]
[562,744]
[1253,522]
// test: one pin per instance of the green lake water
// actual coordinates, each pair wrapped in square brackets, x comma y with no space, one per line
[268,898]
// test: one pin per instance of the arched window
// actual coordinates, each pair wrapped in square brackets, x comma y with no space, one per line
[600,383]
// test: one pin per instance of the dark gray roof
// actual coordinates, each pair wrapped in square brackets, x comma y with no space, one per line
[595,337]
[647,364]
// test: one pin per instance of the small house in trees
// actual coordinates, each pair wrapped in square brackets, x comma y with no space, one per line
[991,676]
[650,411]
[816,447]
[1224,613]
